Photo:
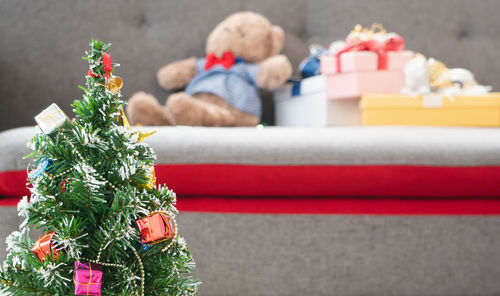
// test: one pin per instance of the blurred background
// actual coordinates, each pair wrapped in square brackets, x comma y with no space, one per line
[395,210]
[42,41]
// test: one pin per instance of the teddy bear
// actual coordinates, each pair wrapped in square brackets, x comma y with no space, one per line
[222,88]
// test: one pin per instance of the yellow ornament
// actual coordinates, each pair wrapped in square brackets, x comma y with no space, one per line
[115,83]
[439,74]
[151,179]
[125,122]
[144,135]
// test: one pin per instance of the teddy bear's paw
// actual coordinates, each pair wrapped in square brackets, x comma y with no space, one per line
[177,74]
[192,111]
[274,72]
[144,109]
[183,109]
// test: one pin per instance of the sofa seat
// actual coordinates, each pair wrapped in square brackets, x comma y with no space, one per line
[399,170]
[334,211]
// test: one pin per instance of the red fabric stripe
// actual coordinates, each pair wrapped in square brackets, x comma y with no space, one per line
[13,183]
[326,206]
[343,206]
[343,181]
[261,189]
[328,181]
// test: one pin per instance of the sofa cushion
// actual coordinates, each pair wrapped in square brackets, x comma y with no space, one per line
[273,162]
[335,146]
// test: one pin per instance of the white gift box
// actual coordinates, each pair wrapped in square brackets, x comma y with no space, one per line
[51,119]
[305,104]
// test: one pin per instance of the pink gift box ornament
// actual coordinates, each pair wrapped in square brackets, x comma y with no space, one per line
[88,278]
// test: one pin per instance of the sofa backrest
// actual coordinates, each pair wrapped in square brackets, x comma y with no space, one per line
[42,41]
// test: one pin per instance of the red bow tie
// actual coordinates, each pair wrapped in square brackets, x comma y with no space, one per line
[226,61]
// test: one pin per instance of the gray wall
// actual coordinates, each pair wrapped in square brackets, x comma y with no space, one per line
[42,41]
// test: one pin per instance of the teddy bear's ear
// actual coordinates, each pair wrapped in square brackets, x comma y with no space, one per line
[277,39]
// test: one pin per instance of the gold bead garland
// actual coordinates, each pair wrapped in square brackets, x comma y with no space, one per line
[101,249]
[81,157]
[172,240]
[62,173]
[142,270]
[112,265]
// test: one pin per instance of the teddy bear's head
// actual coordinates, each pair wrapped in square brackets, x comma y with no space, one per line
[248,35]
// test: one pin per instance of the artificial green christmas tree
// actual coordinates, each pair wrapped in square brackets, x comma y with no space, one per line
[109,230]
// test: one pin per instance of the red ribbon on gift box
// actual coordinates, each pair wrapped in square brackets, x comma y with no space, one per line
[394,43]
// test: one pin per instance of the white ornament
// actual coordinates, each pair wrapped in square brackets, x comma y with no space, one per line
[50,119]
[416,77]
[423,76]
[462,76]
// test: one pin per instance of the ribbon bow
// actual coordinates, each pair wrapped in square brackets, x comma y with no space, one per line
[226,61]
[393,43]
[106,58]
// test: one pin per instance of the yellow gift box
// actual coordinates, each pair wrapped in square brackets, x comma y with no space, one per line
[431,110]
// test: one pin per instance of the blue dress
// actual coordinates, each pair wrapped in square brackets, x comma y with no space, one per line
[237,85]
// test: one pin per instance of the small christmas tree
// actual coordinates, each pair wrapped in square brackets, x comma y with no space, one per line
[109,230]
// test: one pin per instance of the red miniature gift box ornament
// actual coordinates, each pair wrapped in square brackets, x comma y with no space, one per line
[88,278]
[44,247]
[156,228]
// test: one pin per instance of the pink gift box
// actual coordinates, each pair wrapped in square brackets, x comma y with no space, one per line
[88,278]
[355,61]
[396,60]
[364,61]
[355,84]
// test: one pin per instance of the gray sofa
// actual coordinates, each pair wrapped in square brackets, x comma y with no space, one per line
[42,41]
[311,254]
[261,254]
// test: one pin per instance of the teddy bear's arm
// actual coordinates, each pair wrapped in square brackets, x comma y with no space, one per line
[177,74]
[274,72]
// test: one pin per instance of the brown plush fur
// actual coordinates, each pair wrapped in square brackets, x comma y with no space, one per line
[248,35]
[147,111]
[177,74]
